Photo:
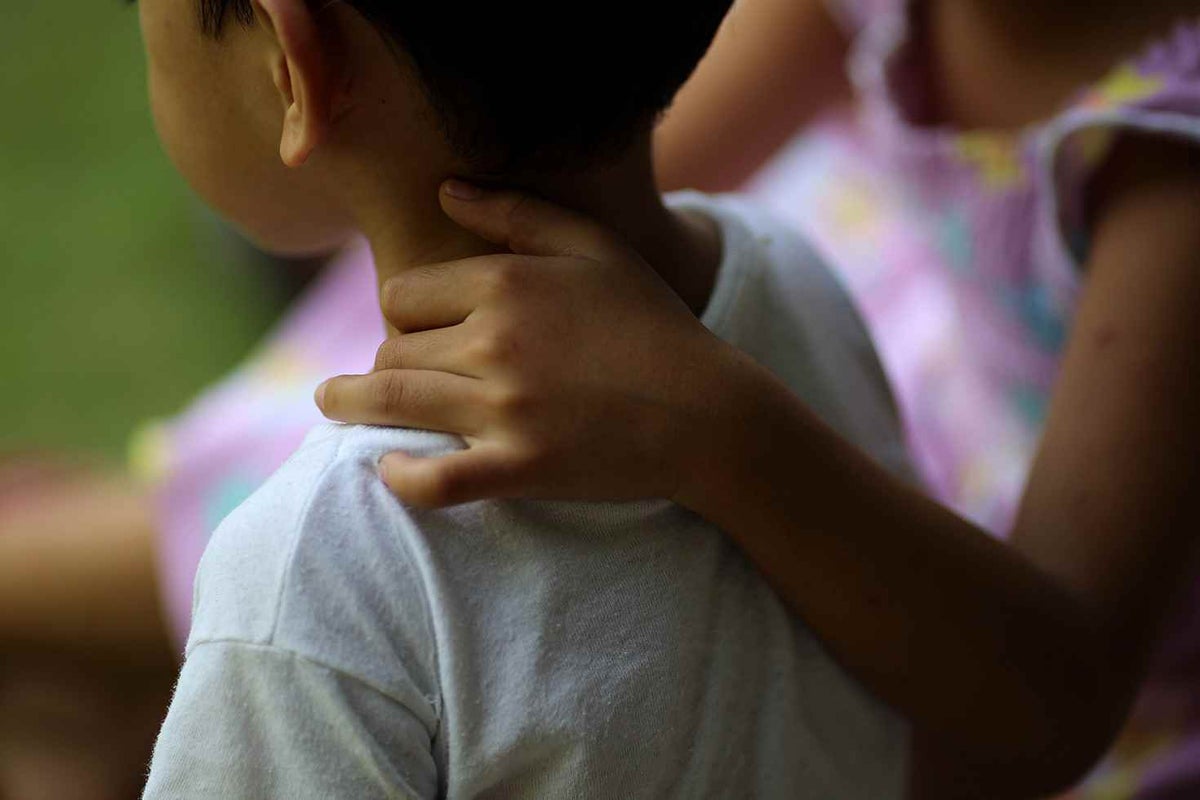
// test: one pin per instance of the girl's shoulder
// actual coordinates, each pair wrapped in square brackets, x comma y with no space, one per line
[1155,94]
[1038,175]
[891,65]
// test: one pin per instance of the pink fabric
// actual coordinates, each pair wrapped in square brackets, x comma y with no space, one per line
[964,252]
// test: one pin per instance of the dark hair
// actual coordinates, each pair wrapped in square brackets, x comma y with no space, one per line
[535,86]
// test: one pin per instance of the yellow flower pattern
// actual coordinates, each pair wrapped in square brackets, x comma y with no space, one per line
[997,157]
[149,453]
[1124,85]
[855,212]
[281,367]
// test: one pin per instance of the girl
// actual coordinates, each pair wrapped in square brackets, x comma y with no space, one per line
[1015,204]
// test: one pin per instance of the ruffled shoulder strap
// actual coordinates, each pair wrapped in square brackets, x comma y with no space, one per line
[854,15]
[1157,93]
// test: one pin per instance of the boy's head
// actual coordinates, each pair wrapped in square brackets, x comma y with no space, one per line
[402,88]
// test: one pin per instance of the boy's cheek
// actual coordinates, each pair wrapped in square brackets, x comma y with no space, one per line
[311,245]
[236,170]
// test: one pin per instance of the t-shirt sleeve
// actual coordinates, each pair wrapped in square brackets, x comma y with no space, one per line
[257,721]
[311,668]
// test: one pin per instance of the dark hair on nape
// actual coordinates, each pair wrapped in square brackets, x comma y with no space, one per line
[531,86]
[214,12]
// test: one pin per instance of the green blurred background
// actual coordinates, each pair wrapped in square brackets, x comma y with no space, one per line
[120,297]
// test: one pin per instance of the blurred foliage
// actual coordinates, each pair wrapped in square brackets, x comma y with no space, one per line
[118,301]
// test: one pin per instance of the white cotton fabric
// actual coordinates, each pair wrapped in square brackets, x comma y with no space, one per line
[345,646]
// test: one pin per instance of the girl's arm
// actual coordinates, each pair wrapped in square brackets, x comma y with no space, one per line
[77,566]
[774,66]
[1016,664]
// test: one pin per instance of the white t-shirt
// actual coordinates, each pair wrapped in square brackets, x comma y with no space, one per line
[345,646]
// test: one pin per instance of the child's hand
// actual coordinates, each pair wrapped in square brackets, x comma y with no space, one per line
[570,368]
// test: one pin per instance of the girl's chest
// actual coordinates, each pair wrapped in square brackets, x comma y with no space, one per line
[969,105]
[988,65]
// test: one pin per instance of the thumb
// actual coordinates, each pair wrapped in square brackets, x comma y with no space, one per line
[478,473]
[525,224]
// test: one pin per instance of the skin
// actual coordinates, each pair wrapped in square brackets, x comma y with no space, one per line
[1018,662]
[728,119]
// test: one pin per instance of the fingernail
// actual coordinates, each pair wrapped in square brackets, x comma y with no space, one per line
[382,469]
[320,395]
[461,190]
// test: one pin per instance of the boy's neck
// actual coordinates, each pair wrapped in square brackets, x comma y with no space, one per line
[406,227]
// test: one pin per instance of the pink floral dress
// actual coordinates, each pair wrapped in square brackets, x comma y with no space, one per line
[964,250]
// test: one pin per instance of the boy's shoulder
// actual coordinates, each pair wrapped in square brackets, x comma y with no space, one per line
[305,564]
[777,299]
[773,287]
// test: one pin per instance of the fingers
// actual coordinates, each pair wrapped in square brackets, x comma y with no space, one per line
[434,295]
[445,294]
[448,294]
[462,477]
[429,400]
[439,350]
[524,224]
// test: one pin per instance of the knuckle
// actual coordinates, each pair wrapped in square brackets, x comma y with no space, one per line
[514,403]
[520,217]
[535,459]
[506,276]
[394,290]
[498,347]
[388,356]
[423,274]
[388,393]
[480,351]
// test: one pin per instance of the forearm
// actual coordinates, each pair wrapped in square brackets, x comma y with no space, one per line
[953,628]
[775,65]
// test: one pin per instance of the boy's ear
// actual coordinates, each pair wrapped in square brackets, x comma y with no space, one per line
[302,74]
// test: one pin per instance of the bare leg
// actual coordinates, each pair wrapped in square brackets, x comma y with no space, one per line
[78,572]
[86,664]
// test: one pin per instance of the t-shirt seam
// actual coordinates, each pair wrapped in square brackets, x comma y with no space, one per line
[317,662]
[301,522]
[427,615]
[430,635]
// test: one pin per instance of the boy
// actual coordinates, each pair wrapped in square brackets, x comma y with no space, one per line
[347,646]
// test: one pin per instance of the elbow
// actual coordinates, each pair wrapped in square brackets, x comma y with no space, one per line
[1040,766]
[1081,714]
[1061,762]
[1077,697]
[1071,735]
[1042,744]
